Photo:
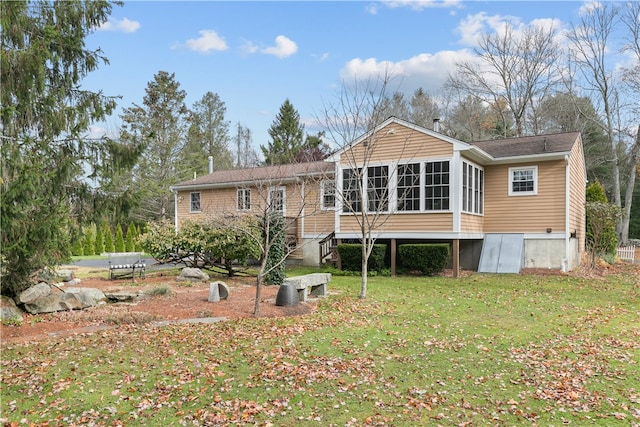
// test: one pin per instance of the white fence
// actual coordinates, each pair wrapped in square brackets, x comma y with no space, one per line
[626,253]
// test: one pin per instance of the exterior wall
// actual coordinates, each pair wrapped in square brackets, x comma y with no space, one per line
[544,253]
[577,185]
[471,223]
[405,222]
[397,143]
[525,214]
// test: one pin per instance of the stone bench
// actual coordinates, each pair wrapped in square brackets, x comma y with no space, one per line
[309,284]
[126,264]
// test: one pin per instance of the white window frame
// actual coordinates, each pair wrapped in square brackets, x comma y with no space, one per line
[416,185]
[243,199]
[375,204]
[473,188]
[512,171]
[284,198]
[324,192]
[449,196]
[348,192]
[192,202]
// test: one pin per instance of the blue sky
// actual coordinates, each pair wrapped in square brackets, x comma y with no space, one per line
[255,55]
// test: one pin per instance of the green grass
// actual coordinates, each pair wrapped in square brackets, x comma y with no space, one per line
[479,350]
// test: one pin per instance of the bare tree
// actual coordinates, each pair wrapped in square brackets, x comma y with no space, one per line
[517,67]
[286,192]
[363,188]
[590,49]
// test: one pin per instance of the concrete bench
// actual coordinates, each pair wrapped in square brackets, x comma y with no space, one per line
[309,284]
[126,264]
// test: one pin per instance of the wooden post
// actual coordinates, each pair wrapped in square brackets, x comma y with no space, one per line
[456,258]
[393,257]
[339,263]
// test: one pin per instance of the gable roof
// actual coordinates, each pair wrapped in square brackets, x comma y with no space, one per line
[550,144]
[278,174]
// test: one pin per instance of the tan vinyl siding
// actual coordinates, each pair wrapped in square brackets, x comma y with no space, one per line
[471,223]
[525,214]
[577,186]
[407,223]
[397,143]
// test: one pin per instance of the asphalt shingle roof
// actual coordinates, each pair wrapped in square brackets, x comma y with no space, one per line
[265,173]
[529,145]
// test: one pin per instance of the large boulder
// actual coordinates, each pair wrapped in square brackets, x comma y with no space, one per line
[88,296]
[60,301]
[189,274]
[9,312]
[33,293]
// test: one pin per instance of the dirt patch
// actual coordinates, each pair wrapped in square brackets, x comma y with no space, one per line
[181,301]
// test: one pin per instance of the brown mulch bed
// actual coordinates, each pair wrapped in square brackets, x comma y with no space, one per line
[184,301]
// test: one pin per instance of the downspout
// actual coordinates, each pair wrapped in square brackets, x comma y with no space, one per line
[567,207]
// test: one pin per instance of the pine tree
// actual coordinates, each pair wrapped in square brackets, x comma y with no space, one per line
[287,137]
[44,116]
[119,243]
[89,242]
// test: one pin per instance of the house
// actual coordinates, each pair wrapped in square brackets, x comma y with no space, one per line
[502,205]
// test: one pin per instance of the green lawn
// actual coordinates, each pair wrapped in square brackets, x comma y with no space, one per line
[480,350]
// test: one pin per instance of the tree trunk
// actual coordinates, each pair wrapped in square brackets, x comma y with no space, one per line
[634,162]
[363,271]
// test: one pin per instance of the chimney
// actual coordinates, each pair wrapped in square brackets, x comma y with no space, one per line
[210,164]
[436,125]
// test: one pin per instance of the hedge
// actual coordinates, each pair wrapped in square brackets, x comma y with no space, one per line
[351,257]
[429,259]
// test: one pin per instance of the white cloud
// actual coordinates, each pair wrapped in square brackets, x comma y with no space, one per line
[418,5]
[123,25]
[284,47]
[248,47]
[209,40]
[428,71]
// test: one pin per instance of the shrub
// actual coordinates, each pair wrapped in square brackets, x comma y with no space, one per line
[429,259]
[351,257]
[275,267]
[131,235]
[108,240]
[119,243]
[99,242]
[601,231]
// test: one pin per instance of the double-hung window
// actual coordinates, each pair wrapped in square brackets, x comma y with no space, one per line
[244,199]
[352,200]
[472,188]
[378,188]
[277,199]
[523,181]
[328,194]
[194,202]
[436,186]
[408,190]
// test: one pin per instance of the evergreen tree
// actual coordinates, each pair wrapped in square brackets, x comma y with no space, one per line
[89,242]
[160,124]
[138,241]
[275,267]
[108,239]
[44,114]
[287,137]
[208,136]
[119,243]
[99,242]
[131,232]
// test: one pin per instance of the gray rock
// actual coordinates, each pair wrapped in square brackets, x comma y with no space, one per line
[122,296]
[61,301]
[65,275]
[9,312]
[88,296]
[34,292]
[192,274]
